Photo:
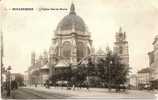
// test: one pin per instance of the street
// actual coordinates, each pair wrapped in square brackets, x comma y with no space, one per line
[63,93]
[27,93]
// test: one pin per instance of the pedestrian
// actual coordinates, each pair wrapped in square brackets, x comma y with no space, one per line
[35,84]
[12,85]
[47,83]
[15,84]
[73,87]
[8,88]
[87,85]
[3,89]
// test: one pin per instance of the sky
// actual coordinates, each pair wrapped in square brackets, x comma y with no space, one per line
[28,31]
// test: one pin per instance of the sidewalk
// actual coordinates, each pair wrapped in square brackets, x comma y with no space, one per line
[4,95]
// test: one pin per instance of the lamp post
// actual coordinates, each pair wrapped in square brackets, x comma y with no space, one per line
[9,81]
[109,78]
[1,37]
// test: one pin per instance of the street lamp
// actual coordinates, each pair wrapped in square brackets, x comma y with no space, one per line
[9,81]
[2,55]
[109,76]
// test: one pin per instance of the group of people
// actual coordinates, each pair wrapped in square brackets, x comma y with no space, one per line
[69,85]
[8,86]
[47,84]
[79,85]
[72,85]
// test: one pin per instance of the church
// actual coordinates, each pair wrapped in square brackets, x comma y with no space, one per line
[71,44]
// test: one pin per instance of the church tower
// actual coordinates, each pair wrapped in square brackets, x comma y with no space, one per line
[121,47]
[33,58]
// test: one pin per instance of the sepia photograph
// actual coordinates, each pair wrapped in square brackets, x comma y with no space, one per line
[79,49]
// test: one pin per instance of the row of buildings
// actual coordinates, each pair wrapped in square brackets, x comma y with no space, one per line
[71,44]
[141,80]
[148,77]
[153,62]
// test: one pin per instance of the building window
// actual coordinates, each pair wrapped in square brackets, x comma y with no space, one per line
[57,51]
[88,51]
[80,51]
[66,50]
[120,50]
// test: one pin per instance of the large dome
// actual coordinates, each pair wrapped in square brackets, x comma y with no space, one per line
[72,21]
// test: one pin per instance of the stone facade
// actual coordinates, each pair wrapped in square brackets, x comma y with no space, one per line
[38,72]
[144,78]
[153,61]
[121,47]
[133,81]
[71,43]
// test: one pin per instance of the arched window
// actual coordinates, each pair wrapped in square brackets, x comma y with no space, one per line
[80,51]
[57,51]
[88,51]
[66,50]
[120,50]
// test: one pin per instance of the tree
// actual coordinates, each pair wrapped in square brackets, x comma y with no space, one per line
[90,68]
[111,70]
[108,62]
[119,71]
[78,74]
[83,71]
[19,78]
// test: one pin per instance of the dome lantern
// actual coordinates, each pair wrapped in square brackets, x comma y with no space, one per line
[71,22]
[72,9]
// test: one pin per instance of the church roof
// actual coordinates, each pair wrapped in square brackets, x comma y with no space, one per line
[72,21]
[155,40]
[145,70]
[100,52]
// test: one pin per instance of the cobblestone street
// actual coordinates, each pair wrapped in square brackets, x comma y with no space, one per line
[93,93]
